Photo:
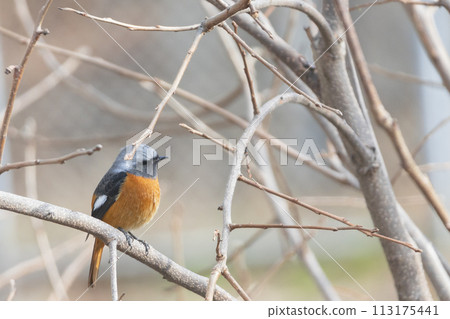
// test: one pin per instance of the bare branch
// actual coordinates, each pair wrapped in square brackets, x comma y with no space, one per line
[18,74]
[308,9]
[225,14]
[133,27]
[212,284]
[56,160]
[247,75]
[154,259]
[334,229]
[222,143]
[403,76]
[423,22]
[274,70]
[227,275]
[386,121]
[113,269]
[379,2]
[421,143]
[149,131]
[318,211]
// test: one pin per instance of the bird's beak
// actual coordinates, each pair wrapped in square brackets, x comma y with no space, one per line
[160,158]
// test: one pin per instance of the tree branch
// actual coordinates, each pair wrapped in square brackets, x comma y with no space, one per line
[379,2]
[274,70]
[56,160]
[18,74]
[423,22]
[318,211]
[386,121]
[334,229]
[133,27]
[154,259]
[247,75]
[113,269]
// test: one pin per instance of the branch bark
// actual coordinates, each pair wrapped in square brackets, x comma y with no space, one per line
[154,259]
[405,265]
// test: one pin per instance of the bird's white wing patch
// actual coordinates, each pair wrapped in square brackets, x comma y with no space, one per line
[99,201]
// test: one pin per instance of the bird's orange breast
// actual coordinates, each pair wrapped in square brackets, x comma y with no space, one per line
[136,204]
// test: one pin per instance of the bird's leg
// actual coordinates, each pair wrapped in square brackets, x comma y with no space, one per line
[129,236]
[143,242]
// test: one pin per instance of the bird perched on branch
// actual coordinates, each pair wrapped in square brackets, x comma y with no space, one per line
[127,197]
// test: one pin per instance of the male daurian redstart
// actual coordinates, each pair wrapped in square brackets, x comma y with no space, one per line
[127,197]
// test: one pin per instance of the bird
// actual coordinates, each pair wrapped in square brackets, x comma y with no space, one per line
[127,197]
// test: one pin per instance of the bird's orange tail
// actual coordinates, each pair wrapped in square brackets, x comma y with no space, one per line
[95,261]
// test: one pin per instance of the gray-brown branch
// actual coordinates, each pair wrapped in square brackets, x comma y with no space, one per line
[170,270]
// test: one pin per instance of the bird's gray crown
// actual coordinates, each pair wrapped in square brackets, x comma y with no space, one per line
[144,162]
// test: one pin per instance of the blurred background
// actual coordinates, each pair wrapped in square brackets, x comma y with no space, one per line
[62,113]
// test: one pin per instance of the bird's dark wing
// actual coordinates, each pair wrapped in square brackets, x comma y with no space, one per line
[106,193]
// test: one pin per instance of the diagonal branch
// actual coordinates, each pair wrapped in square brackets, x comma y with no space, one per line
[18,74]
[274,70]
[370,233]
[154,259]
[423,21]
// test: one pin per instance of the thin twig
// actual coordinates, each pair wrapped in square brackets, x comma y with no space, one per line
[403,76]
[133,27]
[255,14]
[379,2]
[308,9]
[274,70]
[18,71]
[318,211]
[428,32]
[221,142]
[113,269]
[247,74]
[206,26]
[56,160]
[227,275]
[149,131]
[225,14]
[421,143]
[267,226]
